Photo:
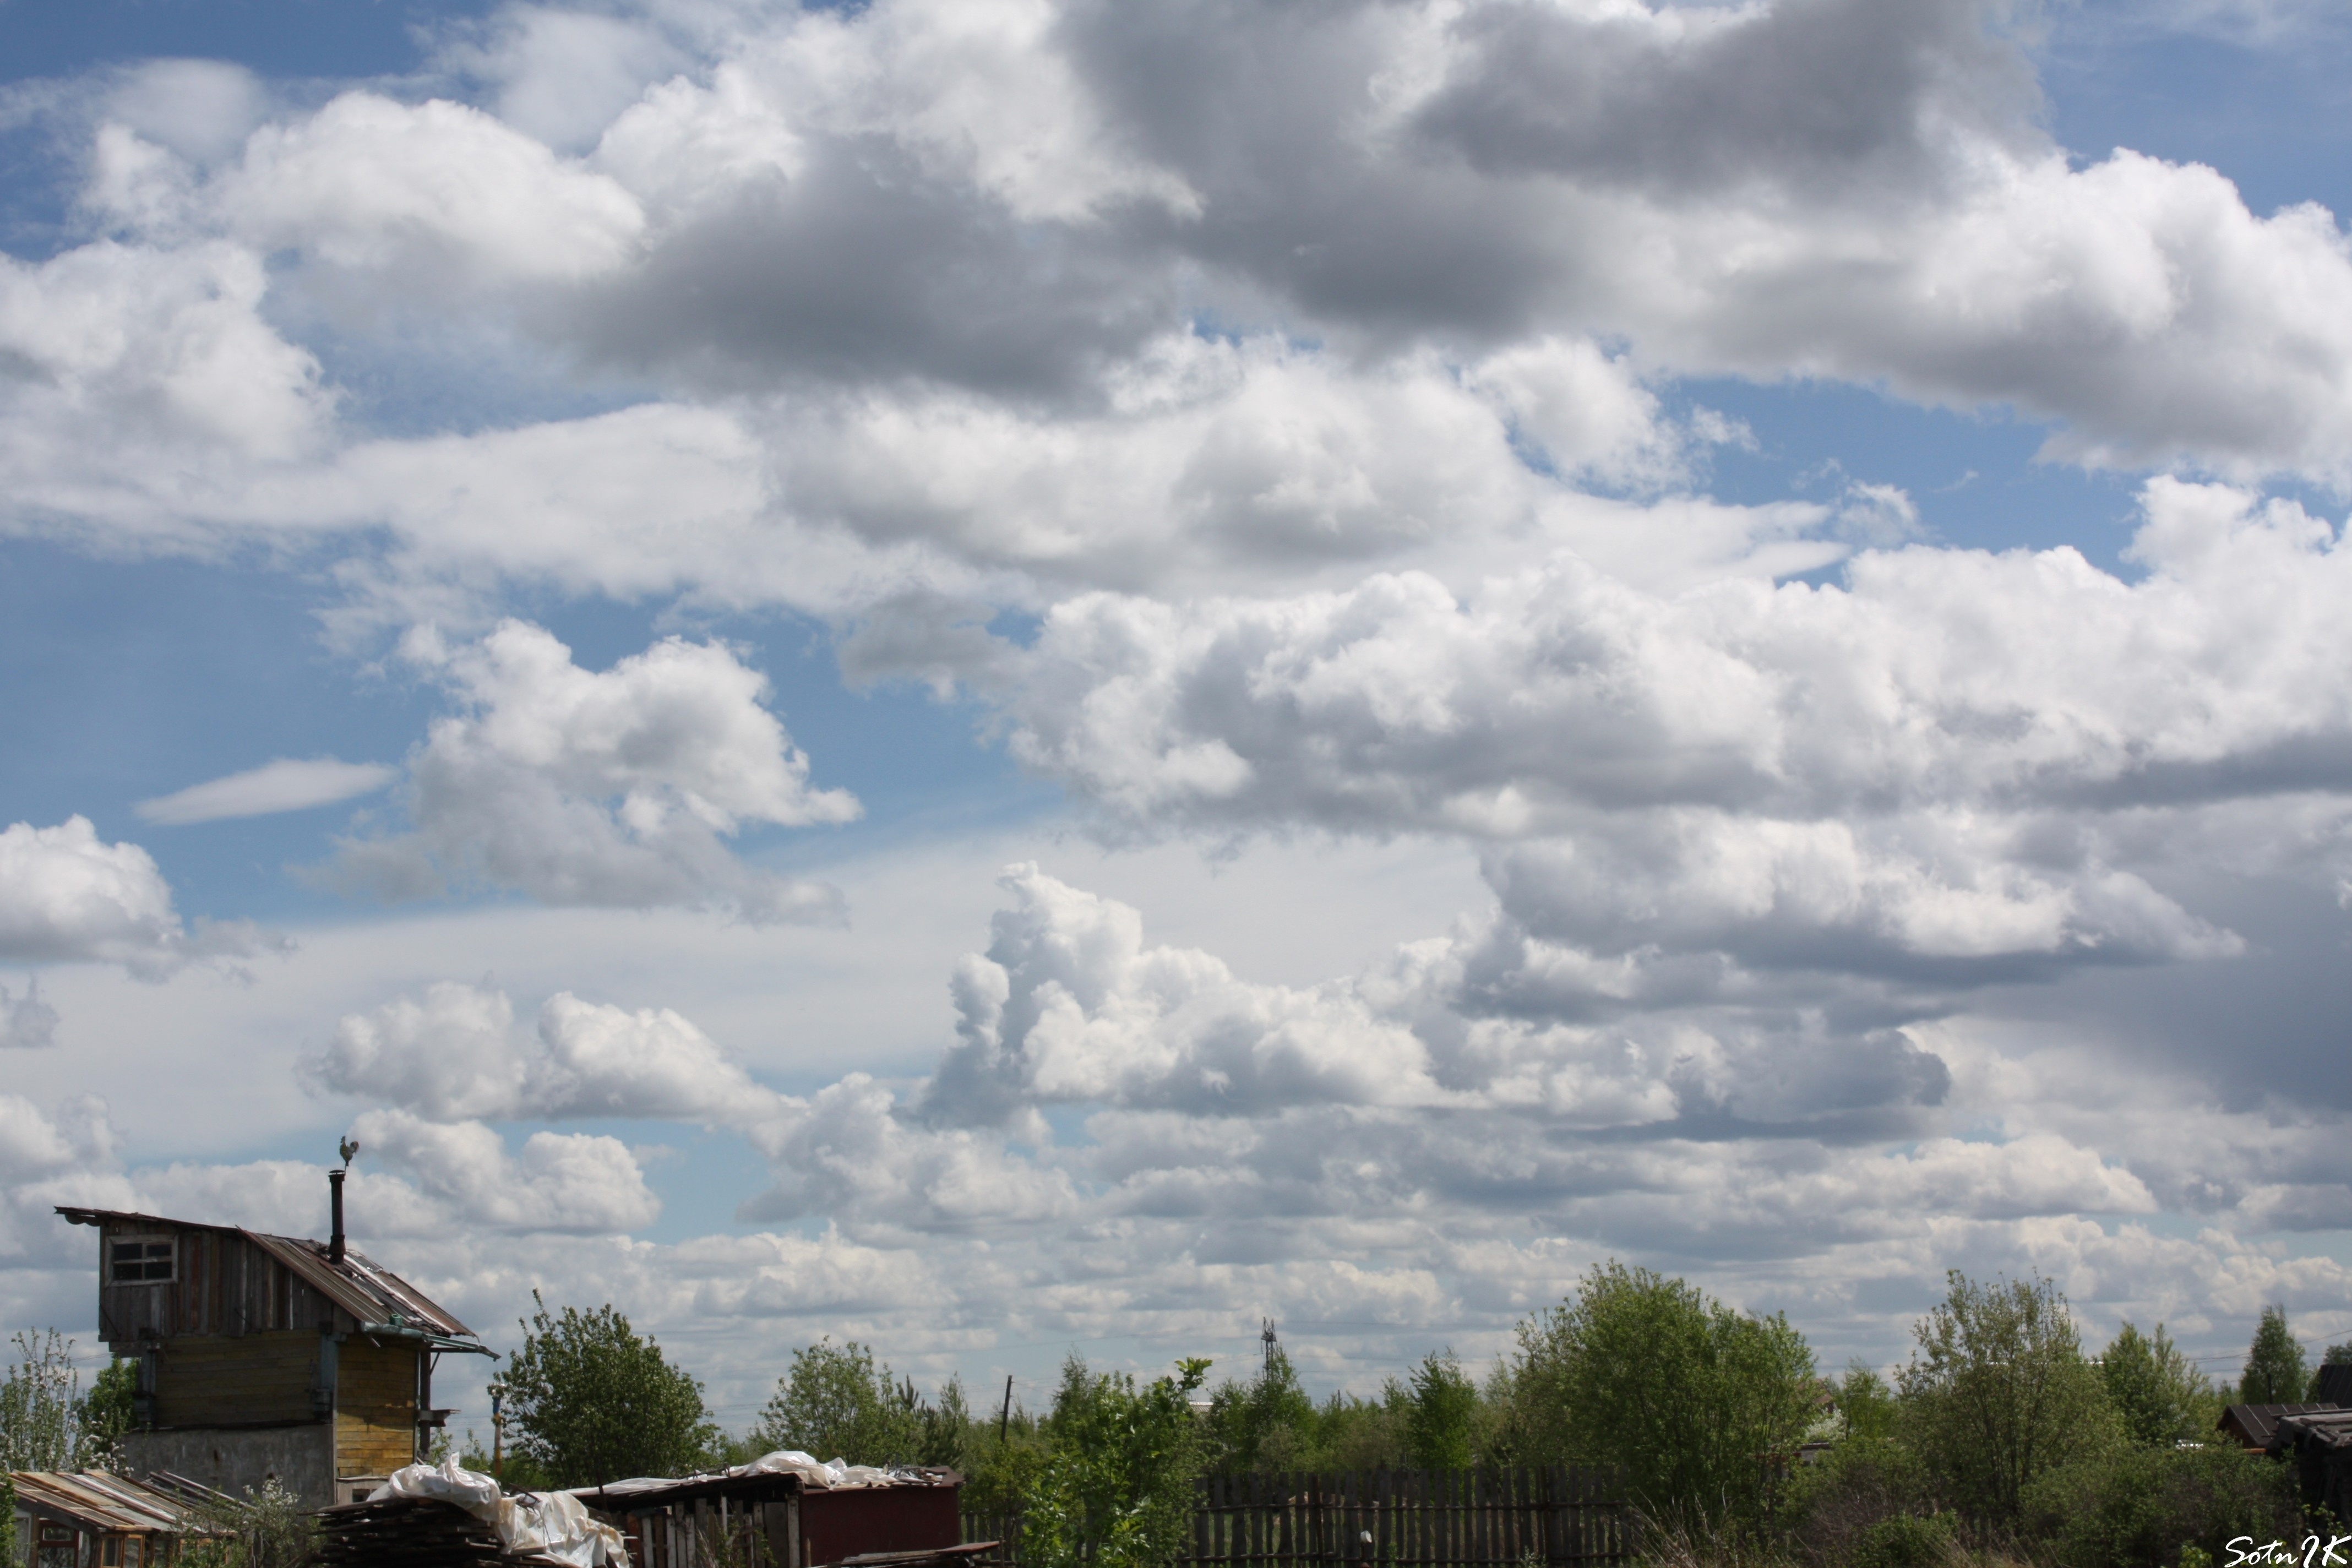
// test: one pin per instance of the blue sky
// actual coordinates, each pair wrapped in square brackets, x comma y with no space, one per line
[1731,653]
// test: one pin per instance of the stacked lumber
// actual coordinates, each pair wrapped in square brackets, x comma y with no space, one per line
[405,1532]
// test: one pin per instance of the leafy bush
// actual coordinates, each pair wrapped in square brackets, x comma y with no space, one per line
[593,1402]
[46,1422]
[272,1528]
[1115,1488]
[1865,1479]
[2136,1508]
[1905,1541]
[836,1404]
[1999,1392]
[1650,1374]
[2157,1392]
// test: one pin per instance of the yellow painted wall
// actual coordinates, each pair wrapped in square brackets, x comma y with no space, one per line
[376,1407]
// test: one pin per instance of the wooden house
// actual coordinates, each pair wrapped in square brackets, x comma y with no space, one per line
[268,1357]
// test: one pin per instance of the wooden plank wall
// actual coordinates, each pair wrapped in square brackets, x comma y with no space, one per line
[1415,1519]
[375,1406]
[225,1285]
[236,1383]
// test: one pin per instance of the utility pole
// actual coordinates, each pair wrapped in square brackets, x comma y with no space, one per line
[1265,1344]
[1005,1420]
[497,1434]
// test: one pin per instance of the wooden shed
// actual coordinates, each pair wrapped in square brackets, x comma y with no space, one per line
[911,1520]
[2319,1441]
[268,1357]
[2254,1425]
[91,1518]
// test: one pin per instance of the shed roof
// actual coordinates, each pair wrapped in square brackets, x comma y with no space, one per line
[744,1482]
[99,1500]
[2328,1427]
[2256,1425]
[381,1301]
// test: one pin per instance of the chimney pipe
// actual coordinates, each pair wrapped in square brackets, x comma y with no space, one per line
[335,1237]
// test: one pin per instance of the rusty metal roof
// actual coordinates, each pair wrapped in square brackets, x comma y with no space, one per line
[99,1500]
[380,1300]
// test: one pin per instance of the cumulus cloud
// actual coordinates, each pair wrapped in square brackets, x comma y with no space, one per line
[168,353]
[430,193]
[455,1054]
[282,783]
[68,897]
[610,789]
[1931,677]
[565,1182]
[1310,385]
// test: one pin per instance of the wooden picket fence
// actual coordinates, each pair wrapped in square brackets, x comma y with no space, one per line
[1395,1519]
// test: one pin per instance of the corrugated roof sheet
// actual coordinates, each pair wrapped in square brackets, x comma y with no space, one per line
[99,1500]
[359,1285]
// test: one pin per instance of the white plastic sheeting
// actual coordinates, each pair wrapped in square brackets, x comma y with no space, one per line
[549,1524]
[814,1472]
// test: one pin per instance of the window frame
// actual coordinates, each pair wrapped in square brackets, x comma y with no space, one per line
[147,1241]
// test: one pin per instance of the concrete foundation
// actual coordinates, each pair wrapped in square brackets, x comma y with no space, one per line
[299,1459]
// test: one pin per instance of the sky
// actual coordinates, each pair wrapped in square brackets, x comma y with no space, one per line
[1002,677]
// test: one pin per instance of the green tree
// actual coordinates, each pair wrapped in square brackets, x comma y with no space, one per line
[1266,1423]
[2156,1392]
[1998,1392]
[590,1401]
[1357,1433]
[1115,1488]
[1439,1407]
[1690,1396]
[1865,1406]
[836,1404]
[46,1423]
[946,1436]
[2335,1355]
[2275,1370]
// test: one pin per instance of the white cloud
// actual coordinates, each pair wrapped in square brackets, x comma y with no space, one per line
[1934,678]
[167,352]
[612,788]
[455,1055]
[282,783]
[425,195]
[562,1181]
[68,897]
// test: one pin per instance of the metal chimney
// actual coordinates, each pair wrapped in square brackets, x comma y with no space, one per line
[335,1236]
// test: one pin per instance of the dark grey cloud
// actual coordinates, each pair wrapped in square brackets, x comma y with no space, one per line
[1831,101]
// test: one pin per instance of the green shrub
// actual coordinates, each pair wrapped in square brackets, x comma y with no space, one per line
[1116,1486]
[1904,1540]
[1861,1481]
[2137,1508]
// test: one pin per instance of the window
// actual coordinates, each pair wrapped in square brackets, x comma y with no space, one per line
[130,1552]
[111,1551]
[140,1259]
